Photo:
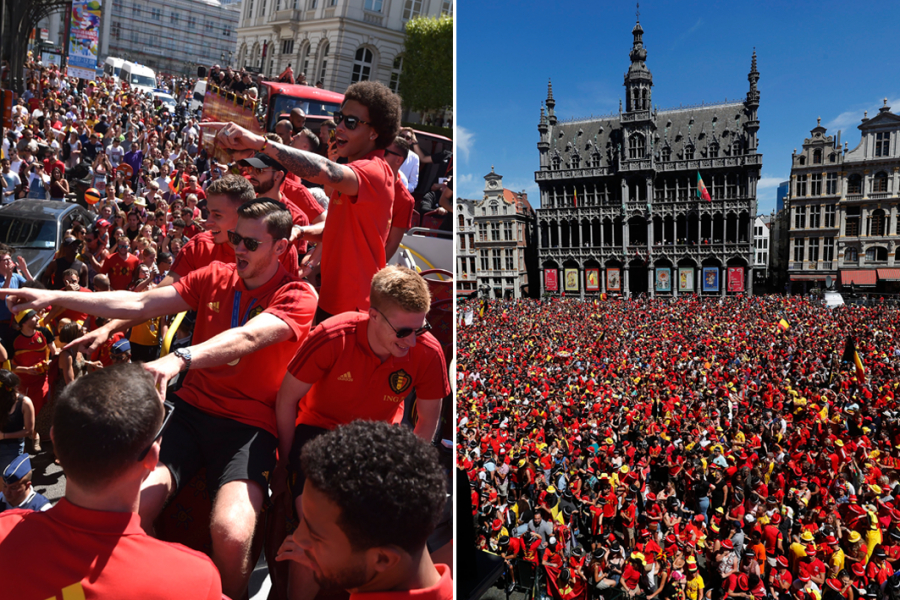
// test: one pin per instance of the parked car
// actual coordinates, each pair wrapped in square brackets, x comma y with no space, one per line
[35,229]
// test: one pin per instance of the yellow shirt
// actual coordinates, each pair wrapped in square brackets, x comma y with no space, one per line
[694,588]
[873,538]
[837,561]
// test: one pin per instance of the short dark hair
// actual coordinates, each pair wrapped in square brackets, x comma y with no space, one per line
[275,215]
[386,482]
[403,145]
[5,249]
[237,188]
[103,421]
[384,109]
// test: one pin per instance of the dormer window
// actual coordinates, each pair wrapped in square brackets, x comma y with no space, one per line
[556,163]
[688,153]
[882,144]
[817,156]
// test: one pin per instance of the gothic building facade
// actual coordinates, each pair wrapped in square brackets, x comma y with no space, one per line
[621,211]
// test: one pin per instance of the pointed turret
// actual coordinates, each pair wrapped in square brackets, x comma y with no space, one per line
[638,79]
[551,104]
[544,143]
[751,125]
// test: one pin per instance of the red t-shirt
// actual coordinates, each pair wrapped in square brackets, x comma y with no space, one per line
[297,194]
[404,204]
[29,351]
[355,232]
[121,272]
[97,554]
[201,251]
[442,591]
[350,382]
[246,391]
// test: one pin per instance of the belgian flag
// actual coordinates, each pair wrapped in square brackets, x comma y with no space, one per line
[783,325]
[851,355]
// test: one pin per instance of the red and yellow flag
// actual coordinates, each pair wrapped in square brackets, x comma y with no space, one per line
[784,325]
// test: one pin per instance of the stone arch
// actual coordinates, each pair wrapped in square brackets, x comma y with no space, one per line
[545,234]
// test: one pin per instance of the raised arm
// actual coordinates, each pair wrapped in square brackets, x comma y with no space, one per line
[261,331]
[310,166]
[110,305]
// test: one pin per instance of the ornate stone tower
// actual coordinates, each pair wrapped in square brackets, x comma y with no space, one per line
[751,126]
[638,79]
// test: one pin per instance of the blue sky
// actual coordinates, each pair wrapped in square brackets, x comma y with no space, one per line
[832,60]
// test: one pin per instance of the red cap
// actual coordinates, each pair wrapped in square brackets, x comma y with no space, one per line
[858,569]
[728,545]
[782,562]
[497,524]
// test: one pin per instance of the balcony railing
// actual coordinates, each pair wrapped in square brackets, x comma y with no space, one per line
[879,196]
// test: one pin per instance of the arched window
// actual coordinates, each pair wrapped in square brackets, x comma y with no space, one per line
[817,156]
[832,157]
[851,255]
[462,220]
[303,63]
[854,184]
[636,146]
[880,182]
[876,254]
[362,65]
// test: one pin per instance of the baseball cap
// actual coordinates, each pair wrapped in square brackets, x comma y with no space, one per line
[263,161]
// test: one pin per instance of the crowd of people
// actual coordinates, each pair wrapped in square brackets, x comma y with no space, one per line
[684,448]
[276,265]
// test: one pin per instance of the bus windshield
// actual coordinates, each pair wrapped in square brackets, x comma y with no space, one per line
[312,108]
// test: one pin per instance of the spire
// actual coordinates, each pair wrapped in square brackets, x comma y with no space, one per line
[551,103]
[753,78]
[638,80]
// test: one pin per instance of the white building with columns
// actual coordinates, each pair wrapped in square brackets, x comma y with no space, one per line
[337,42]
[844,208]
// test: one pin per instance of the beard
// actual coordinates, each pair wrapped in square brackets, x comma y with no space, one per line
[263,187]
[347,579]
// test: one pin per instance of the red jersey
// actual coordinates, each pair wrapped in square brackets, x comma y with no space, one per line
[350,382]
[244,391]
[356,230]
[296,194]
[443,590]
[100,555]
[102,353]
[404,204]
[29,351]
[120,271]
[201,251]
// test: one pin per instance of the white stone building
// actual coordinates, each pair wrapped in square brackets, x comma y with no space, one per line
[337,42]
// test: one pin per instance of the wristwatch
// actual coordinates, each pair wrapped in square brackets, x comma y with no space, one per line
[185,355]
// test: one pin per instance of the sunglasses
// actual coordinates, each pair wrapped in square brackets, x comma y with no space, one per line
[169,409]
[406,331]
[391,152]
[351,122]
[249,243]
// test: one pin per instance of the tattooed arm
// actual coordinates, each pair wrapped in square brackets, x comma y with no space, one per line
[307,165]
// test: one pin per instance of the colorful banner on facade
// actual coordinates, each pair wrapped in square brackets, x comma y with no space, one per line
[735,279]
[592,280]
[572,280]
[84,35]
[710,279]
[550,282]
[663,279]
[686,279]
[613,280]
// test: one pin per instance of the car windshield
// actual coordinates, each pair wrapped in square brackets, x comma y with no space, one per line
[167,100]
[27,233]
[312,108]
[142,80]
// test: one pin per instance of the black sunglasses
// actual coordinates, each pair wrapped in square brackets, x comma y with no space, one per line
[406,331]
[386,151]
[352,122]
[169,409]
[249,243]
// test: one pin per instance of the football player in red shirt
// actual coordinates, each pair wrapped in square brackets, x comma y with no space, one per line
[404,204]
[359,213]
[365,530]
[251,318]
[106,433]
[362,366]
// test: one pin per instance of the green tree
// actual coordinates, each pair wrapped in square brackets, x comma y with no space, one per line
[426,82]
